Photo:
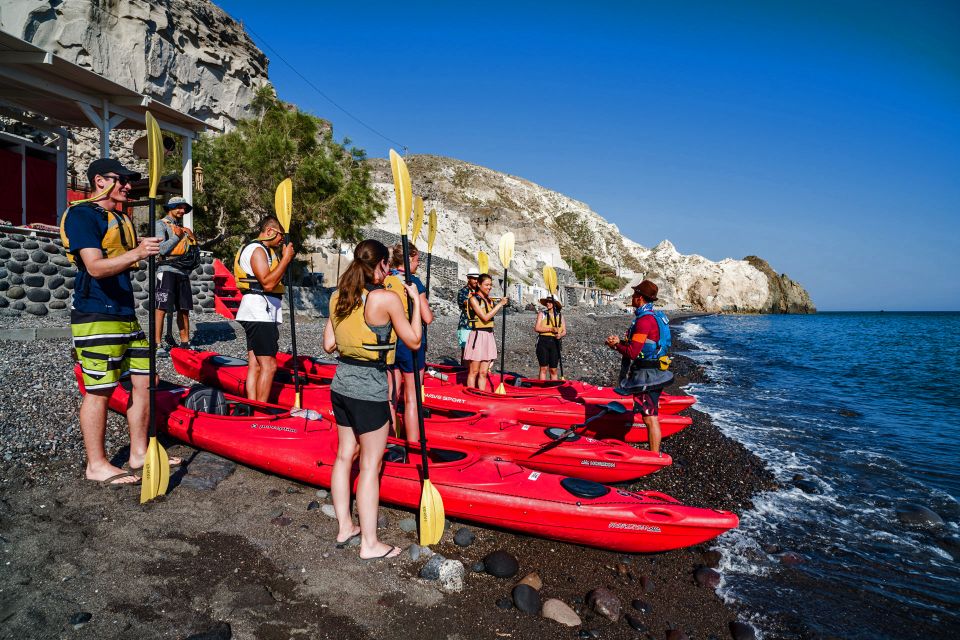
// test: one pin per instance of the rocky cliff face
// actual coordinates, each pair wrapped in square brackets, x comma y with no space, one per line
[187,53]
[475,206]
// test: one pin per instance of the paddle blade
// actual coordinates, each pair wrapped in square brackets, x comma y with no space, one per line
[417,218]
[296,400]
[432,233]
[431,515]
[402,188]
[550,279]
[506,249]
[283,203]
[483,262]
[501,390]
[164,469]
[154,153]
[150,477]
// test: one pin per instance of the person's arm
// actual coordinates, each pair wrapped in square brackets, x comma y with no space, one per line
[541,325]
[261,267]
[487,317]
[563,327]
[426,313]
[634,346]
[409,331]
[99,267]
[167,244]
[329,337]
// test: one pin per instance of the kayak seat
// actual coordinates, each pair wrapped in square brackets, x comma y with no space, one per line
[584,488]
[443,455]
[395,453]
[239,409]
[555,432]
[228,361]
[204,399]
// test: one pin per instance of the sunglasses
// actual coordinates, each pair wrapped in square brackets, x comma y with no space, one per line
[123,180]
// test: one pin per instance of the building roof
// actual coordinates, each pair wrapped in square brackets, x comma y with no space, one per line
[67,94]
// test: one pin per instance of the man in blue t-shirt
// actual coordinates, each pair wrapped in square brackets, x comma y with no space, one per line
[107,339]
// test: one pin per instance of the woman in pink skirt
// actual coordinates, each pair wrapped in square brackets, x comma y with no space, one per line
[481,347]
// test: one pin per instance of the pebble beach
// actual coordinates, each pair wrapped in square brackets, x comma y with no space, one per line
[234,552]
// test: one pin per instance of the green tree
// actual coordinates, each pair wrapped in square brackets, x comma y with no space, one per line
[602,275]
[332,185]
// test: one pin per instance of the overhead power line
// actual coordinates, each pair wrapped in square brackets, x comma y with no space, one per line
[321,93]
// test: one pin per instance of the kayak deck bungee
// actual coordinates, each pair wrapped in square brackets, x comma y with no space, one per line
[582,457]
[528,409]
[476,488]
[514,384]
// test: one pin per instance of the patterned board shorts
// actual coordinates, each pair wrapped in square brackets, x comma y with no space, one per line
[647,404]
[108,348]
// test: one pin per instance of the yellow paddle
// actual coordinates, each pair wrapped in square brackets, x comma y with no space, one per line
[506,255]
[483,262]
[283,206]
[417,219]
[156,466]
[431,504]
[431,236]
[550,281]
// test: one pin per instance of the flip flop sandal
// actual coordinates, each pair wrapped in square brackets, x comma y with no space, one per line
[385,556]
[112,480]
[139,469]
[346,543]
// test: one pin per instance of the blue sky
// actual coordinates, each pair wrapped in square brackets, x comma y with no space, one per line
[822,136]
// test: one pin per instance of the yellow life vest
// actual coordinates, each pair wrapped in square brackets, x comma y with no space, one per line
[247,282]
[395,283]
[186,241]
[119,238]
[356,341]
[473,320]
[552,320]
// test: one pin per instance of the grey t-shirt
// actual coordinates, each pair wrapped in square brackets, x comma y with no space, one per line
[168,240]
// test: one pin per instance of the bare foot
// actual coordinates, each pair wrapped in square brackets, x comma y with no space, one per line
[354,531]
[380,550]
[99,474]
[174,461]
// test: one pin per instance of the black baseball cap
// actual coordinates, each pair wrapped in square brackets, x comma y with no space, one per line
[103,166]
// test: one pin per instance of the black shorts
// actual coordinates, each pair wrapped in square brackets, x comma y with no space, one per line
[174,292]
[647,404]
[548,351]
[263,338]
[363,416]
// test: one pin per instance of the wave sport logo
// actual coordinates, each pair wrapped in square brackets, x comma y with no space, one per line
[273,427]
[631,526]
[436,397]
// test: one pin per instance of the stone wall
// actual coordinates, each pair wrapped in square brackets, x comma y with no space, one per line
[37,278]
[443,272]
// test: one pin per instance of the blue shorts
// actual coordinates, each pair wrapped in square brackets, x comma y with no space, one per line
[462,335]
[404,358]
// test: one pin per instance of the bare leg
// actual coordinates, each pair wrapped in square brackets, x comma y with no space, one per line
[183,323]
[138,409]
[473,368]
[411,424]
[543,373]
[393,393]
[484,367]
[553,374]
[268,367]
[93,426]
[253,374]
[159,314]
[368,492]
[653,432]
[340,483]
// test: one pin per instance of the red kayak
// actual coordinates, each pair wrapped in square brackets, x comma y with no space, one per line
[526,408]
[582,457]
[514,384]
[476,488]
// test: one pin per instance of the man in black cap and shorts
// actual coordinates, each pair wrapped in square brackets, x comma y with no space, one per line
[179,255]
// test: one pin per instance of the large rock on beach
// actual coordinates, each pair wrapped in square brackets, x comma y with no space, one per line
[605,602]
[706,577]
[501,564]
[526,598]
[559,611]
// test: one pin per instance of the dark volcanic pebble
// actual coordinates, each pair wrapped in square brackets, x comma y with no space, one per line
[675,634]
[505,603]
[646,584]
[772,548]
[273,493]
[464,537]
[219,631]
[526,598]
[807,486]
[791,558]
[588,633]
[915,515]
[706,577]
[742,631]
[501,564]
[605,602]
[313,505]
[281,521]
[711,559]
[431,570]
[635,623]
[641,605]
[81,618]
[477,567]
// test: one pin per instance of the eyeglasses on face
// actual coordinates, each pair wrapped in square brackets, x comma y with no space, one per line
[122,180]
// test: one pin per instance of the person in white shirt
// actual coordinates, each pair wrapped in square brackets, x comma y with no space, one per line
[259,271]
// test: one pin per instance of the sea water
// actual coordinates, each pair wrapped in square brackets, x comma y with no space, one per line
[866,408]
